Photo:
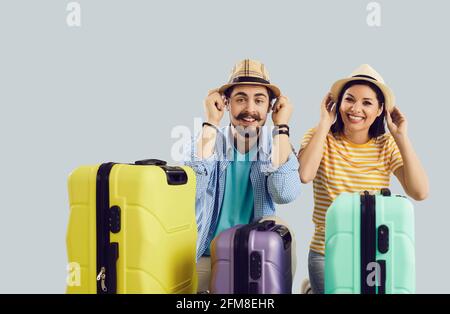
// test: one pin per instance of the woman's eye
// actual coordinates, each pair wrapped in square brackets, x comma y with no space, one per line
[367,103]
[349,99]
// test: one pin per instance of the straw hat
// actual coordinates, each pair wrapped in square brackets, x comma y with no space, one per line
[250,72]
[367,73]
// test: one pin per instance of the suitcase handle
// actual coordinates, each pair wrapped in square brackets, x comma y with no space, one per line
[265,225]
[175,175]
[285,235]
[150,162]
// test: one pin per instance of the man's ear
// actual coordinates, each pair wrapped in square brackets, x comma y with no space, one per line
[271,104]
[227,104]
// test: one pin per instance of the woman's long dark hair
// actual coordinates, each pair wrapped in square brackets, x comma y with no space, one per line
[377,128]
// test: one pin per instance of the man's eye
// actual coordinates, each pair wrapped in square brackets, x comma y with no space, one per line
[240,99]
[259,101]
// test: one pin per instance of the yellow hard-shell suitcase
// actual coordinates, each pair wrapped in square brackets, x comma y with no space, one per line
[132,228]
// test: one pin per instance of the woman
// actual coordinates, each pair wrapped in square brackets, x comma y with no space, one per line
[349,151]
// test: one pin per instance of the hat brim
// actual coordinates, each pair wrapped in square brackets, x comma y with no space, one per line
[276,91]
[389,99]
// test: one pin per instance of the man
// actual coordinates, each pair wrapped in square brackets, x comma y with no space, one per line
[246,167]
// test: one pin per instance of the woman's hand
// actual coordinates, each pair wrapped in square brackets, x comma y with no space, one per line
[327,111]
[411,175]
[397,123]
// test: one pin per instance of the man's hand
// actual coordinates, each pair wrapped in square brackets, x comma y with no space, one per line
[282,111]
[214,106]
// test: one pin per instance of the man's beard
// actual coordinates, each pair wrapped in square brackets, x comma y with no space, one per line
[247,131]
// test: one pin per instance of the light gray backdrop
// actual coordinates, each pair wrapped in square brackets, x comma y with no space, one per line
[116,87]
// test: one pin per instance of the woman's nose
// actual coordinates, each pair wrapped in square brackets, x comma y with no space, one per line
[356,107]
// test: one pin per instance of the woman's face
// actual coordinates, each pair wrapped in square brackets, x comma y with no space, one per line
[359,108]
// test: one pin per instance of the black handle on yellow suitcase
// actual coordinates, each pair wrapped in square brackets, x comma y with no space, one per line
[175,175]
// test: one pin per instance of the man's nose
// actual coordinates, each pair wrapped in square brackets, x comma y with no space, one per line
[251,105]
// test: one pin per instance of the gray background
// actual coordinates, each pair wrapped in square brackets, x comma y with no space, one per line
[116,87]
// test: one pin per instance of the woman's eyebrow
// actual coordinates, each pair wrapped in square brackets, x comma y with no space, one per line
[365,98]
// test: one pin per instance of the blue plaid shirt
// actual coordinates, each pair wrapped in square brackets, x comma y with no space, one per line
[270,185]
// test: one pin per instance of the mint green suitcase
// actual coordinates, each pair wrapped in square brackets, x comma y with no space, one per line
[369,244]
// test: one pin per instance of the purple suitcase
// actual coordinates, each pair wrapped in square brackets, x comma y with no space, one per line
[252,259]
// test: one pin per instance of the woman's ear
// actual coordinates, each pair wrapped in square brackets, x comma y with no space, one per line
[380,110]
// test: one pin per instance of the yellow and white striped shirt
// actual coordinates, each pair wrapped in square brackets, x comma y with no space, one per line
[349,167]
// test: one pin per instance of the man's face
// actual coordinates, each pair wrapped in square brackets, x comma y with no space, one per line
[249,106]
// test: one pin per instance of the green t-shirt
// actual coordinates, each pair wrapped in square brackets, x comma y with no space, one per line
[237,206]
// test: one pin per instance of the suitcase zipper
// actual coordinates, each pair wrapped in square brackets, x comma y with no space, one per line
[241,262]
[368,241]
[106,266]
[102,278]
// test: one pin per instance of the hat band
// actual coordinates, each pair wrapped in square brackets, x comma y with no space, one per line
[249,79]
[366,76]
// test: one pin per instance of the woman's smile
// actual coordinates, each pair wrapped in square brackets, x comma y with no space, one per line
[355,119]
